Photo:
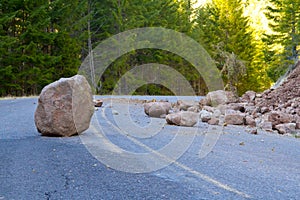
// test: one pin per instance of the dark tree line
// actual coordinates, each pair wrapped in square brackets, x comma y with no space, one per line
[42,41]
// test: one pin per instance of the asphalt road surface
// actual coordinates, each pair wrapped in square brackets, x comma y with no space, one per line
[240,165]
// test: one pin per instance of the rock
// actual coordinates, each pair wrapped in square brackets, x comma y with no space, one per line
[209,108]
[250,121]
[216,114]
[237,106]
[114,112]
[205,116]
[183,118]
[220,97]
[297,125]
[65,107]
[213,121]
[266,125]
[216,98]
[279,118]
[231,98]
[254,131]
[157,109]
[173,118]
[185,105]
[222,108]
[98,102]
[234,117]
[147,106]
[193,109]
[256,114]
[203,102]
[249,96]
[264,110]
[249,109]
[285,92]
[286,128]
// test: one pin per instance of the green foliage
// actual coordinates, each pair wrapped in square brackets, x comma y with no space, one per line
[153,89]
[42,41]
[223,24]
[283,44]
[223,31]
[143,13]
[232,69]
[37,45]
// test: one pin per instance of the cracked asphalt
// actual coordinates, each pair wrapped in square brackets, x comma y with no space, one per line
[240,166]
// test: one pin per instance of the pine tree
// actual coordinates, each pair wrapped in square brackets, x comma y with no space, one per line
[222,27]
[8,46]
[132,14]
[39,44]
[284,16]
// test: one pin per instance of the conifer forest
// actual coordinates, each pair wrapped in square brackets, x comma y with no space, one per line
[252,42]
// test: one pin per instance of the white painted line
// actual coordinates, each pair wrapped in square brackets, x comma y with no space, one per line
[178,164]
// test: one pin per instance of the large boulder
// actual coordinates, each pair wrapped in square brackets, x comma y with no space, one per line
[157,109]
[65,107]
[183,118]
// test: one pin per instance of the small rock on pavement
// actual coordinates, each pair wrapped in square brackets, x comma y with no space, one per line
[65,107]
[98,102]
[286,128]
[205,116]
[193,109]
[114,112]
[265,125]
[254,131]
[213,121]
[157,109]
[185,105]
[183,118]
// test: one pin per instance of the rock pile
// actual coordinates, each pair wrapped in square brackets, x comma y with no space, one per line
[273,110]
[182,113]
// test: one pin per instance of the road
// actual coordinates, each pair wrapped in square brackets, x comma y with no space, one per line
[240,166]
